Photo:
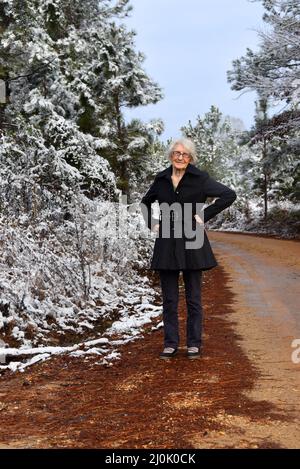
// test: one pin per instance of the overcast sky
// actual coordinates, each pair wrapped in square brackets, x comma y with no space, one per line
[189,46]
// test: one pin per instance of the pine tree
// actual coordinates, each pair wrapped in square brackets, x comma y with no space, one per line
[70,71]
[125,84]
[274,70]
[69,68]
[215,141]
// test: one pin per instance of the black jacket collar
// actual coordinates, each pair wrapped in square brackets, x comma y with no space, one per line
[190,169]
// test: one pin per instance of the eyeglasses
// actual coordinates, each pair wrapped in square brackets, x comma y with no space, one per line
[177,154]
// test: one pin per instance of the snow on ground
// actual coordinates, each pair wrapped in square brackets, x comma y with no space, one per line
[44,310]
[43,313]
[128,328]
[283,219]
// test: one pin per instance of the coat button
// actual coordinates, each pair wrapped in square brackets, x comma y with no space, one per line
[177,192]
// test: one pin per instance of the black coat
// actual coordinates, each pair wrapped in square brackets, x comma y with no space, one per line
[195,186]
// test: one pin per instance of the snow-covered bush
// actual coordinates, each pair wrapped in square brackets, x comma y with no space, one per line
[68,273]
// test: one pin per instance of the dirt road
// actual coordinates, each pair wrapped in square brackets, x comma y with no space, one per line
[265,279]
[243,392]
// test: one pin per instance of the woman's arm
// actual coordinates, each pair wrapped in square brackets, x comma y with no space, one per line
[145,205]
[226,197]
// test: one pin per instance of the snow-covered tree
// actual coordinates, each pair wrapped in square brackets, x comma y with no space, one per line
[69,69]
[274,73]
[274,70]
[216,143]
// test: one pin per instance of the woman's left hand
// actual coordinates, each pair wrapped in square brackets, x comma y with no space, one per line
[198,219]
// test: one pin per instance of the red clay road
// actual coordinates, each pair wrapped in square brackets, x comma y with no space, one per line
[243,392]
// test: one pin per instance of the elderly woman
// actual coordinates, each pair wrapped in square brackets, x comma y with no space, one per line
[180,185]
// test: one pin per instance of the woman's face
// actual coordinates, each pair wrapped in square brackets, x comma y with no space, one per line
[180,157]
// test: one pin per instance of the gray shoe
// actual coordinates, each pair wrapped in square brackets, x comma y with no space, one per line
[193,352]
[168,352]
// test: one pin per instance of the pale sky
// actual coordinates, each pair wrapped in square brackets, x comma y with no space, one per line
[189,46]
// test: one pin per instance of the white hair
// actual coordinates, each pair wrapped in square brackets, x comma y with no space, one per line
[187,143]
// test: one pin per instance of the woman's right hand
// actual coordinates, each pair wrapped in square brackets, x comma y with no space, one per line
[155,228]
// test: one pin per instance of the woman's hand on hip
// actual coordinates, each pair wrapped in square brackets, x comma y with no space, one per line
[198,219]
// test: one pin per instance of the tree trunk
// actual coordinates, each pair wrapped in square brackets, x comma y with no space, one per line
[265,180]
[123,166]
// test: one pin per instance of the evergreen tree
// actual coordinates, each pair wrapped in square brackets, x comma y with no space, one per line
[274,70]
[216,143]
[70,70]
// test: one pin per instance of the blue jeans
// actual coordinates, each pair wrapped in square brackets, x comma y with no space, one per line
[170,293]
